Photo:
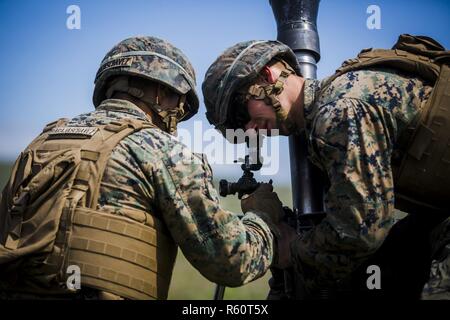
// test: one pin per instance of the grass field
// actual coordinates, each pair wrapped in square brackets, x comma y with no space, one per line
[187,282]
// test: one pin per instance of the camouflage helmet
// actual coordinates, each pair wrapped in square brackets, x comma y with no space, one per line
[150,58]
[236,67]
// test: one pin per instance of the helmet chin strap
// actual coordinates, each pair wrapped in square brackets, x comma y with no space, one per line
[269,94]
[169,116]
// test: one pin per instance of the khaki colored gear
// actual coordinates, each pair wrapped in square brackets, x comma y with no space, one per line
[114,253]
[270,92]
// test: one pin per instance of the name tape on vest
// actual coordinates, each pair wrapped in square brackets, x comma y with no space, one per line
[77,131]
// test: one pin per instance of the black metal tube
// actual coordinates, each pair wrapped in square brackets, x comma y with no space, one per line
[296,24]
[219,292]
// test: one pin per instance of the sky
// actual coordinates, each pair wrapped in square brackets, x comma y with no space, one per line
[47,70]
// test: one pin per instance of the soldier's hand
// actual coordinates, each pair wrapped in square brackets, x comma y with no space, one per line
[264,200]
[287,235]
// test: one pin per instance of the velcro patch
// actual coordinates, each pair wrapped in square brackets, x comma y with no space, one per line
[116,63]
[74,131]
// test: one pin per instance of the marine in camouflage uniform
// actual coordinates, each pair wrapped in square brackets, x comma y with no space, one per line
[154,180]
[351,125]
[152,172]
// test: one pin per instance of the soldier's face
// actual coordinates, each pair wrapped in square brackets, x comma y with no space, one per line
[263,116]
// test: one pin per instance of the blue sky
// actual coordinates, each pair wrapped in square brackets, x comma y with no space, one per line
[48,70]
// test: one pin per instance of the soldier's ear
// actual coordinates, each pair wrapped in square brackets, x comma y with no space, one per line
[268,74]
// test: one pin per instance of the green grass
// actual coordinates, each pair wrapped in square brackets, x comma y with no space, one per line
[188,284]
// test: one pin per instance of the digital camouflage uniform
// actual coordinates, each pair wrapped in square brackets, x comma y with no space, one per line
[152,172]
[352,125]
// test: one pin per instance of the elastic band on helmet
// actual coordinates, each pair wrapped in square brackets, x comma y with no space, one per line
[225,79]
[152,53]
